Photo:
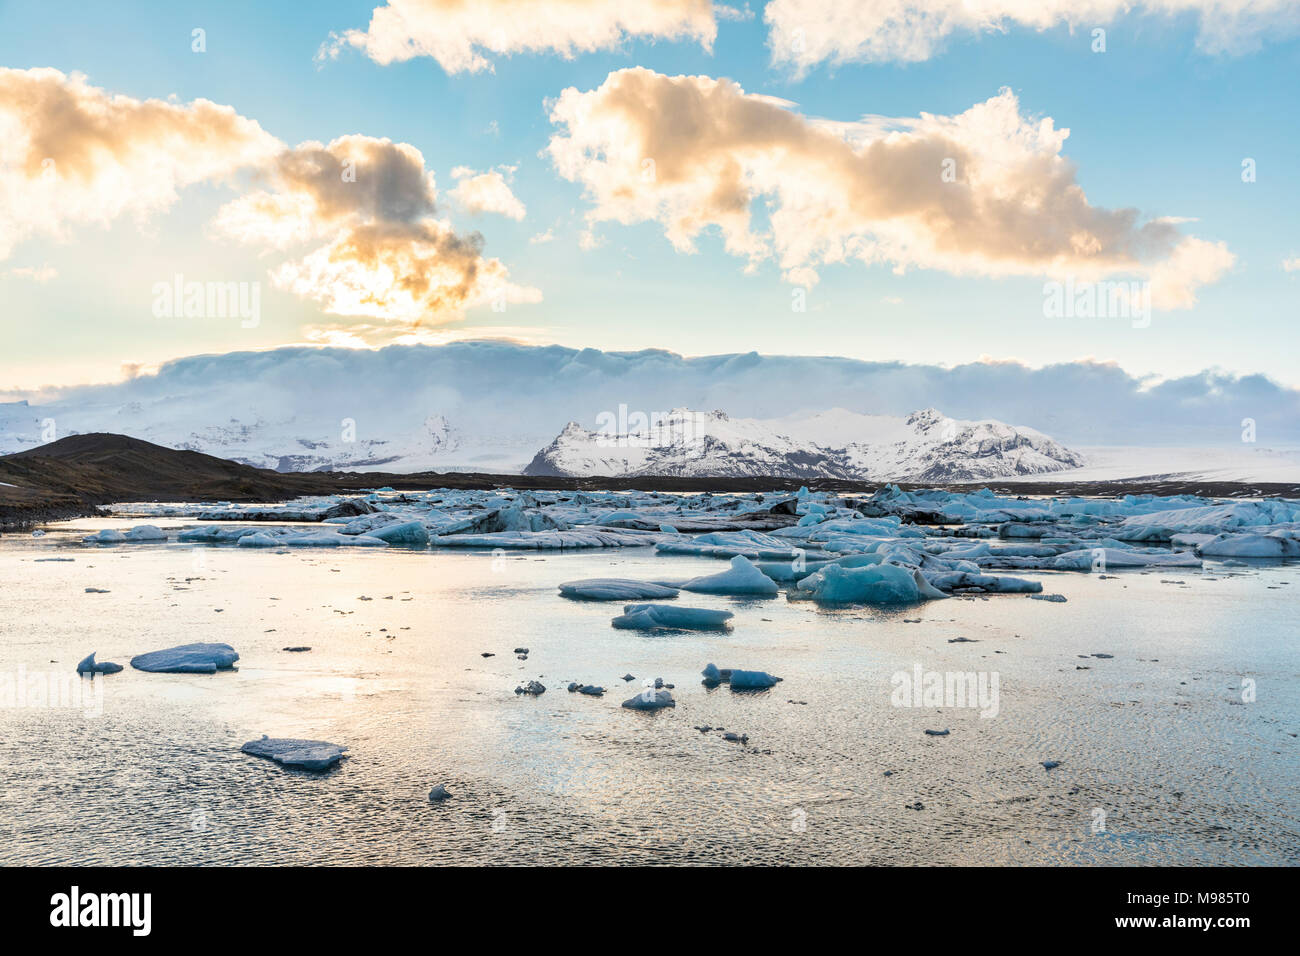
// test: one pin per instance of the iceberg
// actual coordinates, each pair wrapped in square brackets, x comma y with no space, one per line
[187,659]
[650,617]
[872,584]
[302,754]
[407,532]
[742,578]
[614,589]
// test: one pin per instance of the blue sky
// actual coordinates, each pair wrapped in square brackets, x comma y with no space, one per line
[1155,123]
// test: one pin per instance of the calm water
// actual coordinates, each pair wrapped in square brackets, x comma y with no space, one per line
[1161,761]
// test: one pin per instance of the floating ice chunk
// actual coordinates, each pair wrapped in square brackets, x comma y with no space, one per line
[712,675]
[614,589]
[650,699]
[874,584]
[107,536]
[742,578]
[260,539]
[187,659]
[145,532]
[533,688]
[407,532]
[304,754]
[1249,546]
[751,680]
[649,617]
[996,583]
[1111,558]
[439,793]
[90,666]
[668,529]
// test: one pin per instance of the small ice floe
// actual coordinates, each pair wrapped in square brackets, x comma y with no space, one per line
[439,794]
[1054,598]
[872,584]
[614,589]
[738,679]
[751,680]
[406,532]
[107,536]
[1250,546]
[97,591]
[993,583]
[38,560]
[937,733]
[735,737]
[302,754]
[187,659]
[1111,558]
[591,690]
[628,677]
[143,532]
[296,650]
[652,617]
[650,699]
[1050,764]
[741,578]
[38,533]
[534,688]
[90,666]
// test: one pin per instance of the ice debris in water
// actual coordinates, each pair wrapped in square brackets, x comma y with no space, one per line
[650,617]
[650,699]
[533,687]
[187,659]
[302,754]
[89,665]
[738,679]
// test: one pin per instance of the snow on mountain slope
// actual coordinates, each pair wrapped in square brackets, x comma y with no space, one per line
[926,446]
[687,443]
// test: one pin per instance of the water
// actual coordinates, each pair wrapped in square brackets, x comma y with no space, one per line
[1161,760]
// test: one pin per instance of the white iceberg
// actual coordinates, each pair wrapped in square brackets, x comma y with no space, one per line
[741,578]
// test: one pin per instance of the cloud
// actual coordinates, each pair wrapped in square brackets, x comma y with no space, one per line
[486,192]
[986,192]
[72,154]
[1081,403]
[805,33]
[39,274]
[389,257]
[1292,264]
[459,34]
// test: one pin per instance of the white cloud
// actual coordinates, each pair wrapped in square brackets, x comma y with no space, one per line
[389,258]
[486,192]
[72,154]
[805,33]
[1292,264]
[40,274]
[460,34]
[986,192]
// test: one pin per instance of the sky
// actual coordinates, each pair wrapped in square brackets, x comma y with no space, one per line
[903,181]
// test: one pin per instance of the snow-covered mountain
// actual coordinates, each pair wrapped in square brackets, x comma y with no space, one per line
[925,446]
